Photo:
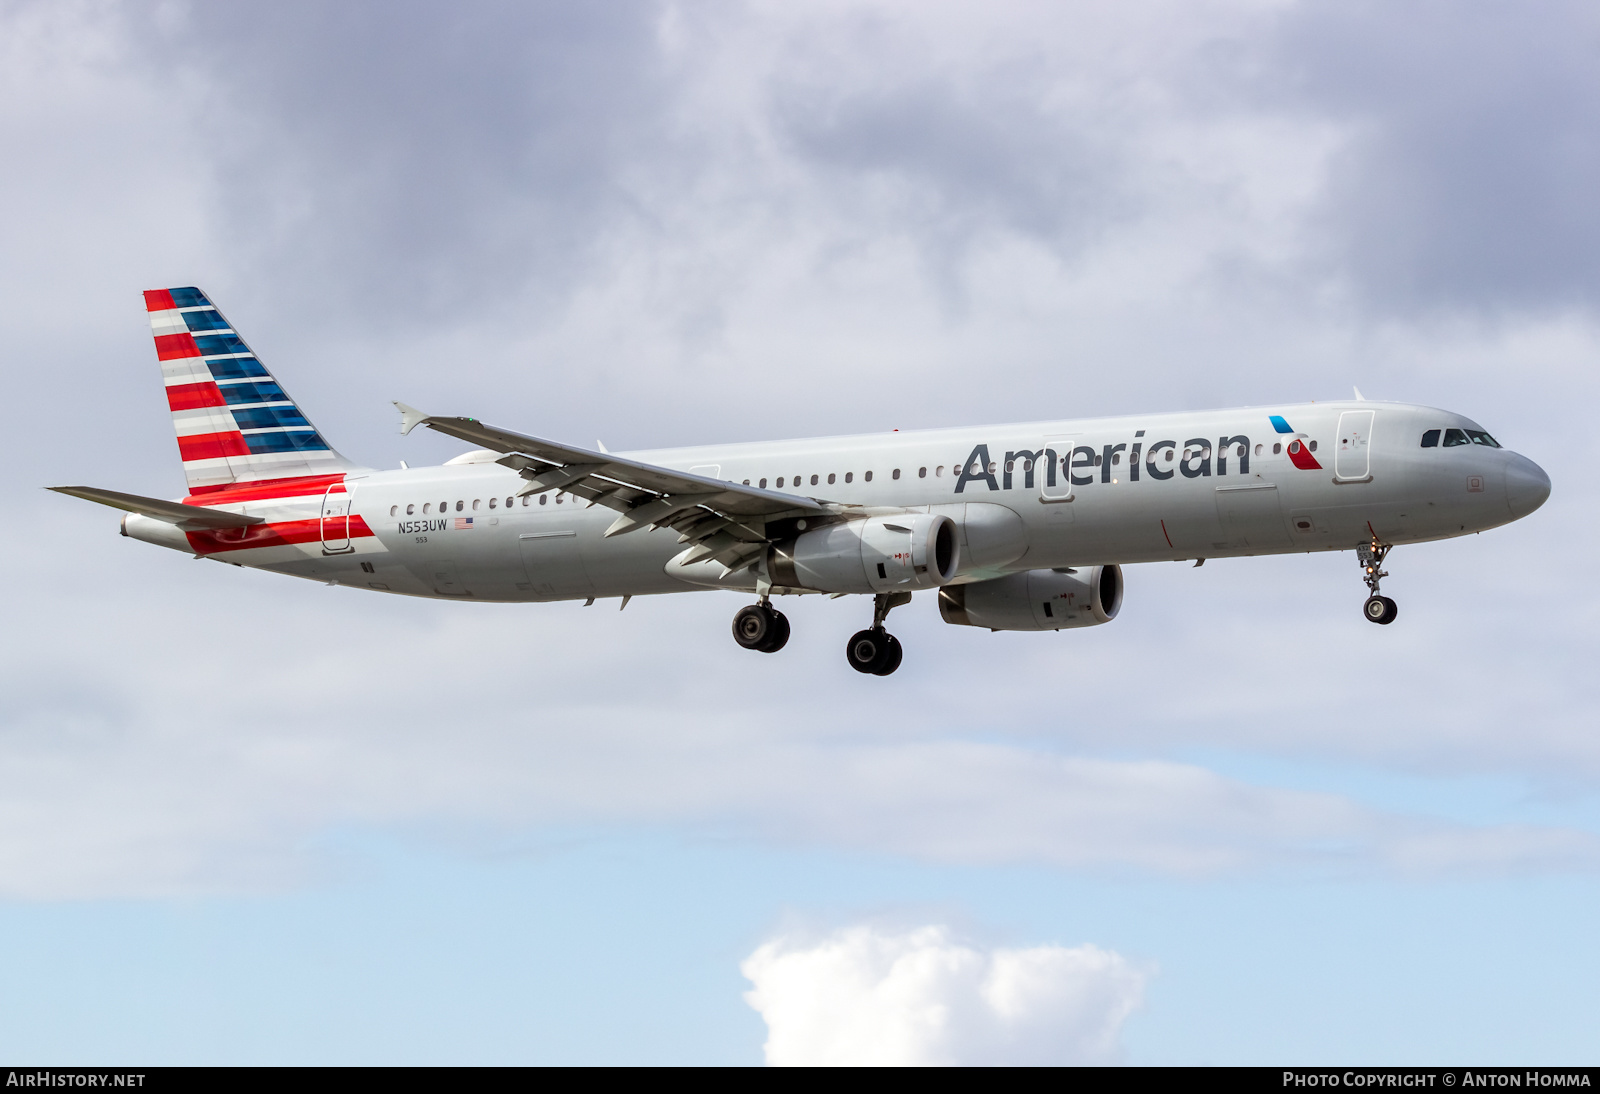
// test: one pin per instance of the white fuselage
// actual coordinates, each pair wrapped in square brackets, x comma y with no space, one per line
[1029,496]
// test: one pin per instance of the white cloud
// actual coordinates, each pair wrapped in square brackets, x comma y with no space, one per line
[873,996]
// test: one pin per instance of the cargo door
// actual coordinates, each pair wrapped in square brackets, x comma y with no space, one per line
[441,575]
[1252,516]
[554,564]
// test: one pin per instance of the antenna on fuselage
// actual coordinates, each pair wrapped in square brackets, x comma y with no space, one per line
[1360,398]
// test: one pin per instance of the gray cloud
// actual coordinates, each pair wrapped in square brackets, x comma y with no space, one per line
[414,159]
[1468,181]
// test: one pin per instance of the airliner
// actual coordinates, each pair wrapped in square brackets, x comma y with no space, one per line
[1013,527]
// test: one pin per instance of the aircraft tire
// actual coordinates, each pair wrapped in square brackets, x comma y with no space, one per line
[754,626]
[867,651]
[780,632]
[892,655]
[1380,609]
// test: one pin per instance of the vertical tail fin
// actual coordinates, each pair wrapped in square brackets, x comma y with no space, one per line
[234,423]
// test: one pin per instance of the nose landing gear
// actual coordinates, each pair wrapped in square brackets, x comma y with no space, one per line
[876,651]
[1377,609]
[761,627]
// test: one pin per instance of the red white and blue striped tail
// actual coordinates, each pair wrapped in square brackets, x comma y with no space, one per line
[234,422]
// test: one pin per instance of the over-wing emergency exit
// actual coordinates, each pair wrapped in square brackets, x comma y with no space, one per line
[1016,527]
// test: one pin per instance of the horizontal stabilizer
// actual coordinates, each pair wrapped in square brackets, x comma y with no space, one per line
[187,517]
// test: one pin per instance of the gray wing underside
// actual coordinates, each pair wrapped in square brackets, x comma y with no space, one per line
[724,521]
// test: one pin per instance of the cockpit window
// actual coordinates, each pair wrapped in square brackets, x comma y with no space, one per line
[1430,439]
[1455,437]
[1480,437]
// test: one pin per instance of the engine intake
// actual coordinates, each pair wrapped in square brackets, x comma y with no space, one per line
[1036,600]
[879,554]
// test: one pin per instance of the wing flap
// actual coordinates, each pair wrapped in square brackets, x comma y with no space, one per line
[598,475]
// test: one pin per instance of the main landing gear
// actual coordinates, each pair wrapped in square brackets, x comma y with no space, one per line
[876,651]
[1377,609]
[761,627]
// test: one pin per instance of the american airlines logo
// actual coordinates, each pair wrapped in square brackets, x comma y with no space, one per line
[1156,460]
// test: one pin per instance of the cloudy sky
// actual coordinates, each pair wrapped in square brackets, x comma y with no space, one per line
[248,819]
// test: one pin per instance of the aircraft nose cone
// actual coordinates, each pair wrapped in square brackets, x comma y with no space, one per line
[1527,486]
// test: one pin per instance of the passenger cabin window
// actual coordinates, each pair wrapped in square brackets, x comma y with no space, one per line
[849,476]
[1454,438]
[763,484]
[922,472]
[780,482]
[460,505]
[747,482]
[544,499]
[1430,439]
[813,480]
[493,503]
[474,503]
[895,475]
[427,505]
[1277,450]
[410,509]
[868,476]
[830,480]
[1313,448]
[1480,437]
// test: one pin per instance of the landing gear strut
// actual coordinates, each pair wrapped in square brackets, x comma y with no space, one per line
[761,627]
[1377,609]
[876,651]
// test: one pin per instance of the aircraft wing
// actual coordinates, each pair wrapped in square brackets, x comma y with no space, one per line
[725,520]
[190,518]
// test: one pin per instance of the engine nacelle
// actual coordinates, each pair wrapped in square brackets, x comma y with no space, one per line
[876,555]
[1037,600]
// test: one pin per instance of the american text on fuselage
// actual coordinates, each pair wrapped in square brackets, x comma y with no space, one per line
[1022,527]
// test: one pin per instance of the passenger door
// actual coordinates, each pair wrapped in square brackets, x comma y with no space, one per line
[1352,456]
[335,523]
[1051,473]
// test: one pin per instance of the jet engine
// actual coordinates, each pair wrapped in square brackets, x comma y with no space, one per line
[1036,600]
[876,555]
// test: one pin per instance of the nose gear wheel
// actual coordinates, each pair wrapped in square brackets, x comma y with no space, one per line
[1378,608]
